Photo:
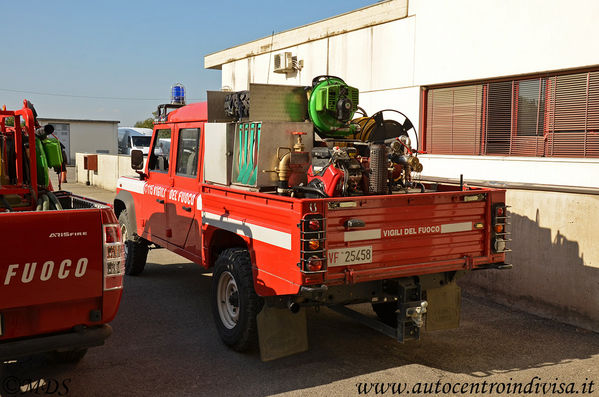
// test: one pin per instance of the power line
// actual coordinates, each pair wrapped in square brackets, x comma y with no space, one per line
[93,97]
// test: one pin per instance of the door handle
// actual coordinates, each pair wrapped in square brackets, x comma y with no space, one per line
[188,209]
[160,201]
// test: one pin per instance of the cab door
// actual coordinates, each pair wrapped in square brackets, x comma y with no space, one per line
[182,204]
[157,184]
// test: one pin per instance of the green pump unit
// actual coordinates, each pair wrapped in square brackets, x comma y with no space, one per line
[331,105]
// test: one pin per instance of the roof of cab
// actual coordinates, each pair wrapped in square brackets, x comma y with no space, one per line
[192,112]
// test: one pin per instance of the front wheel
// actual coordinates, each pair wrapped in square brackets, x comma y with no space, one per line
[234,300]
[136,249]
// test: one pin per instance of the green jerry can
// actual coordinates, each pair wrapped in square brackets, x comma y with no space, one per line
[53,152]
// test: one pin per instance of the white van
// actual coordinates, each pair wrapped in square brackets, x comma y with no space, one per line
[134,138]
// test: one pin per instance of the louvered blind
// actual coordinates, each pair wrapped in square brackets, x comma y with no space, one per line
[499,118]
[454,120]
[545,116]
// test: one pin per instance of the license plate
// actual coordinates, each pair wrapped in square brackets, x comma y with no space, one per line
[349,256]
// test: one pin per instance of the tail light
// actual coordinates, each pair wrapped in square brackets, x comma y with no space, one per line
[500,235]
[114,257]
[313,237]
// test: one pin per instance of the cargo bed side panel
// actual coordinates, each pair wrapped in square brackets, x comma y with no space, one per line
[407,235]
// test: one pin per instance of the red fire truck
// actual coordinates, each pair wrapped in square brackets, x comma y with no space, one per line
[61,255]
[293,202]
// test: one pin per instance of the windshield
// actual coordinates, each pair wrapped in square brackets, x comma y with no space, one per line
[141,141]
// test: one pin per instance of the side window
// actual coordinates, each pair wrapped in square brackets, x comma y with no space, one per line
[159,156]
[188,149]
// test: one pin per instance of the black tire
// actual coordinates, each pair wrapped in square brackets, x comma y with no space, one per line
[234,300]
[136,249]
[386,312]
[68,357]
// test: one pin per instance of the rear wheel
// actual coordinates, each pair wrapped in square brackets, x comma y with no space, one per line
[136,249]
[234,300]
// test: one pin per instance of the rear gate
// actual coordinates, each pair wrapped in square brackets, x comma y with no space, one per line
[404,235]
[52,270]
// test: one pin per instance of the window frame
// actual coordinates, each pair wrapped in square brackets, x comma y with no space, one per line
[152,156]
[179,146]
[582,143]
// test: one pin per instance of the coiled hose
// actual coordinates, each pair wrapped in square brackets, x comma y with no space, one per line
[48,202]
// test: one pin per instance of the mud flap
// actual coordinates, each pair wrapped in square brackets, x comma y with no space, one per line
[443,311]
[281,333]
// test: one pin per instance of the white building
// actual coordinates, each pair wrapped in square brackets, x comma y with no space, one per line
[505,93]
[85,136]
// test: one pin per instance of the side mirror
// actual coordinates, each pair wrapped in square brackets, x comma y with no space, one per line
[137,159]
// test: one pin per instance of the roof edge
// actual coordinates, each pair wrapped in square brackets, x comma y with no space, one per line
[47,119]
[372,15]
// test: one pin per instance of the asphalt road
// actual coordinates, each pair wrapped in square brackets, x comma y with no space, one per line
[165,344]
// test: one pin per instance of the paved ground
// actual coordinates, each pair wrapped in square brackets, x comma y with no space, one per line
[164,343]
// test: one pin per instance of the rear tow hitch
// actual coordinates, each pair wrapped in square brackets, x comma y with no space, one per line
[410,314]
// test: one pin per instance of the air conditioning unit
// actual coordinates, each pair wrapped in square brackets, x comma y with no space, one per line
[285,62]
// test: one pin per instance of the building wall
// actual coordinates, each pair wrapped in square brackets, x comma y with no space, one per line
[555,258]
[88,136]
[469,39]
[556,262]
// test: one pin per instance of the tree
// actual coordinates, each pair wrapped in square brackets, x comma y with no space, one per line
[9,121]
[147,123]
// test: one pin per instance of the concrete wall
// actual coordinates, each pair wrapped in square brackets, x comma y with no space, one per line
[110,169]
[555,257]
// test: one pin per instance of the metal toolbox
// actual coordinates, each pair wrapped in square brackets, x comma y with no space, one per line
[256,147]
[218,152]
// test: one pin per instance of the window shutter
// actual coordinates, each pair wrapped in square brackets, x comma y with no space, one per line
[499,118]
[454,120]
[567,115]
[592,139]
[439,121]
[555,116]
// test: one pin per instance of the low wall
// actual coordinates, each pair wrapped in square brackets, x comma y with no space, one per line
[110,169]
[555,257]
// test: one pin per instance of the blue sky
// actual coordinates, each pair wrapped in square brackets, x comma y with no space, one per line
[130,49]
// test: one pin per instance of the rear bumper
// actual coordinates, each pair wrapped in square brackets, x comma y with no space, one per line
[360,275]
[80,339]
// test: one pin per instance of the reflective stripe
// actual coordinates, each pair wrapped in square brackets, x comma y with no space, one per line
[199,202]
[456,227]
[131,185]
[260,233]
[358,235]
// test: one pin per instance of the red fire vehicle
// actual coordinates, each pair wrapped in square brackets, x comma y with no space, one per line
[61,255]
[293,202]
